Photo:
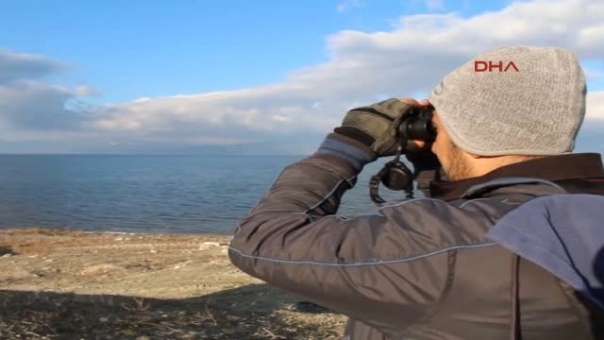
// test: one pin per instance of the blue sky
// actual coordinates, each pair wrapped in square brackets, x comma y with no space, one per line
[132,49]
[256,54]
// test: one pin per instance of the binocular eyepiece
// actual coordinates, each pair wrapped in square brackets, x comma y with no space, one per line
[418,126]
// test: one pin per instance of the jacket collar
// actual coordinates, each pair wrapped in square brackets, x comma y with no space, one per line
[552,168]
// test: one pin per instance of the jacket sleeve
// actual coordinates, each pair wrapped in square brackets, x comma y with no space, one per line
[379,269]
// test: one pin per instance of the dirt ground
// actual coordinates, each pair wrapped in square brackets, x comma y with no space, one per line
[58,284]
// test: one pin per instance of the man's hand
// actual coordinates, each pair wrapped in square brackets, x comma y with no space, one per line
[376,125]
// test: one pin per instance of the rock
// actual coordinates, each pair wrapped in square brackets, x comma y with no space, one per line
[207,245]
[101,269]
[103,319]
[182,264]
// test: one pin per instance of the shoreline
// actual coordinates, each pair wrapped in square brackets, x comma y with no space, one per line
[142,232]
[58,283]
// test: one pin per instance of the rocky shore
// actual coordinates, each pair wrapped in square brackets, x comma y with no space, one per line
[65,284]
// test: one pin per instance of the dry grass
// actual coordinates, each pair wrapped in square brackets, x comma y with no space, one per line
[59,284]
[230,314]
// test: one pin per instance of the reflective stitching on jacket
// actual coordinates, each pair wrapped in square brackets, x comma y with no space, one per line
[384,206]
[374,261]
[367,263]
[310,218]
[397,204]
[326,197]
[475,200]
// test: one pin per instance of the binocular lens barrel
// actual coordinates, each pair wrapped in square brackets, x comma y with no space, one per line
[417,129]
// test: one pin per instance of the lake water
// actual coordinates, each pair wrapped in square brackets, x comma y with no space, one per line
[159,194]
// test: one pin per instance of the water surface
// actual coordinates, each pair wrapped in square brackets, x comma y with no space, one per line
[163,194]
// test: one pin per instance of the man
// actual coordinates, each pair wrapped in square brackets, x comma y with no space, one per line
[425,268]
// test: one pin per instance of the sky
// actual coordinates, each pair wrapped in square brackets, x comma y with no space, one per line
[251,77]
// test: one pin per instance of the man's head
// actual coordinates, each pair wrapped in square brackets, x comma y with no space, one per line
[486,120]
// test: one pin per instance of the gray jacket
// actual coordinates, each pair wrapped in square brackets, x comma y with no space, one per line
[421,269]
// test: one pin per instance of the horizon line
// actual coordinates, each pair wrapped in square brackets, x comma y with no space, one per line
[150,154]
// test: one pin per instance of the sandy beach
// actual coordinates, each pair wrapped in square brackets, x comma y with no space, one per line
[60,284]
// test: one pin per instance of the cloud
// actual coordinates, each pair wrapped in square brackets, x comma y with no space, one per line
[345,5]
[27,102]
[595,105]
[434,5]
[593,75]
[408,59]
[15,66]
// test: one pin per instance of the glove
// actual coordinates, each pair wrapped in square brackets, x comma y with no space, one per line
[376,126]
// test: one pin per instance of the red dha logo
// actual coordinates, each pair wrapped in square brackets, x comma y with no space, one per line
[482,66]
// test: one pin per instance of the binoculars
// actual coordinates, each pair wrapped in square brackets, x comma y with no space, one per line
[418,126]
[395,175]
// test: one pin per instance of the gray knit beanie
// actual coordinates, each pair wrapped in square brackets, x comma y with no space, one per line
[534,104]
